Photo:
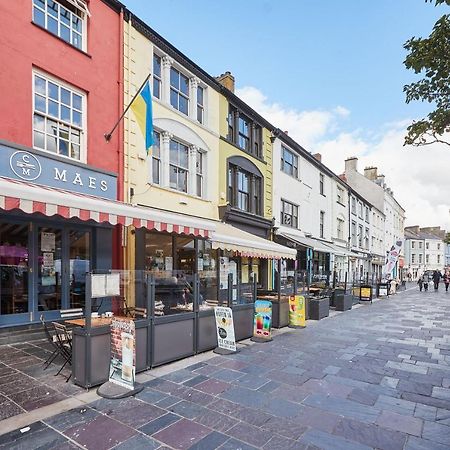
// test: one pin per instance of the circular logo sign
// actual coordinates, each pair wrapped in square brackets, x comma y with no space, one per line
[222,333]
[25,165]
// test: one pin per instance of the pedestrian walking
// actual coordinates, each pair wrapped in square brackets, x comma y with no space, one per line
[446,280]
[436,279]
[420,283]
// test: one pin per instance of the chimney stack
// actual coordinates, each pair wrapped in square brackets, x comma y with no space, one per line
[371,173]
[318,156]
[227,80]
[351,164]
[380,181]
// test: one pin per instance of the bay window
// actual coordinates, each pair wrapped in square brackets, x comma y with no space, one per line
[244,132]
[244,190]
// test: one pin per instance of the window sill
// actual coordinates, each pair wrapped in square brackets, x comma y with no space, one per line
[291,176]
[61,40]
[242,150]
[180,193]
[340,203]
[323,195]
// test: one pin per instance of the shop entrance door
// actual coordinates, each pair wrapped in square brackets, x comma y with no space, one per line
[15,271]
[63,260]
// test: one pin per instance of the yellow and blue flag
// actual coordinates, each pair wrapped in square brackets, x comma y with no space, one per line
[142,108]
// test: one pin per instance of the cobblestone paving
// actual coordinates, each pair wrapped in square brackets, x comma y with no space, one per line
[374,377]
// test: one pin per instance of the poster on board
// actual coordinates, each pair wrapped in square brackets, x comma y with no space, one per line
[48,242]
[122,368]
[225,328]
[297,311]
[262,324]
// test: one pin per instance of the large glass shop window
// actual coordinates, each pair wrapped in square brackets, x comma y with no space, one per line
[207,273]
[49,268]
[14,268]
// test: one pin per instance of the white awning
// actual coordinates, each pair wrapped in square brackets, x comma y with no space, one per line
[339,251]
[32,198]
[316,245]
[227,237]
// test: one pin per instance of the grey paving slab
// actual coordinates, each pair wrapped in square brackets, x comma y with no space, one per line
[327,441]
[399,422]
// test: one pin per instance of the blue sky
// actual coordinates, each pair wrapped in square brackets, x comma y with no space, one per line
[321,54]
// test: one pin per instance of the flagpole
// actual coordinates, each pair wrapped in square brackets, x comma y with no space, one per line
[108,135]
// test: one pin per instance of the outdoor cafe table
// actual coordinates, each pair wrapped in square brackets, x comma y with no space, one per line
[95,322]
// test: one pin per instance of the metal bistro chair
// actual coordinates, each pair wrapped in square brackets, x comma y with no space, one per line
[52,341]
[64,343]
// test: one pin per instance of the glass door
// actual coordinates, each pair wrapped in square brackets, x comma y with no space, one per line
[79,266]
[14,273]
[50,269]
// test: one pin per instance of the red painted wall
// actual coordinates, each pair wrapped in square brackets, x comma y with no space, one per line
[24,45]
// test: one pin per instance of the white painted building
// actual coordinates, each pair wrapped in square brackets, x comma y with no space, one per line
[310,207]
[372,187]
[424,250]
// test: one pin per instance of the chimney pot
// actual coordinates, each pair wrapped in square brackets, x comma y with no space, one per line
[227,80]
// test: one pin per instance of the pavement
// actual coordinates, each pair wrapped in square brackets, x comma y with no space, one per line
[377,377]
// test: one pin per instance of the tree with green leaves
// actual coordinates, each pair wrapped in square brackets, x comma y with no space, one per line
[430,57]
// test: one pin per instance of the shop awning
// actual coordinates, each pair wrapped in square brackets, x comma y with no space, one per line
[339,251]
[227,237]
[316,245]
[32,198]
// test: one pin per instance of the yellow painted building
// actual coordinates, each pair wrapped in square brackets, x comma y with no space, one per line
[180,173]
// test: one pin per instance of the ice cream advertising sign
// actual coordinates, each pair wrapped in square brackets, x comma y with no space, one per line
[262,324]
[122,369]
[225,328]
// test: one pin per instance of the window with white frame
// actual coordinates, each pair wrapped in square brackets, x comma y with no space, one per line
[179,91]
[360,236]
[354,234]
[199,163]
[420,258]
[200,104]
[58,117]
[156,158]
[322,224]
[179,166]
[340,228]
[289,214]
[427,259]
[427,245]
[413,244]
[367,215]
[289,162]
[321,183]
[366,239]
[420,244]
[157,76]
[360,208]
[353,205]
[413,258]
[63,18]
[438,259]
[340,195]
[439,246]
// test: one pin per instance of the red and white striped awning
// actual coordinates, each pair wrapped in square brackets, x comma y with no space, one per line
[49,201]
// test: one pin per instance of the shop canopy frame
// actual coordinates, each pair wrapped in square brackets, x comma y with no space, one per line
[228,237]
[304,241]
[32,198]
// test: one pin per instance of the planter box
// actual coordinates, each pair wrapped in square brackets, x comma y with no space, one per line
[280,313]
[319,308]
[343,302]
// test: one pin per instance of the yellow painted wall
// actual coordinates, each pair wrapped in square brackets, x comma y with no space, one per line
[227,150]
[138,52]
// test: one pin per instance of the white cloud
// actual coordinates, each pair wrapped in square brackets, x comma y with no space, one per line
[419,177]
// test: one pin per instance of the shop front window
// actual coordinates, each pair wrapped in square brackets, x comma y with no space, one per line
[207,274]
[14,260]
